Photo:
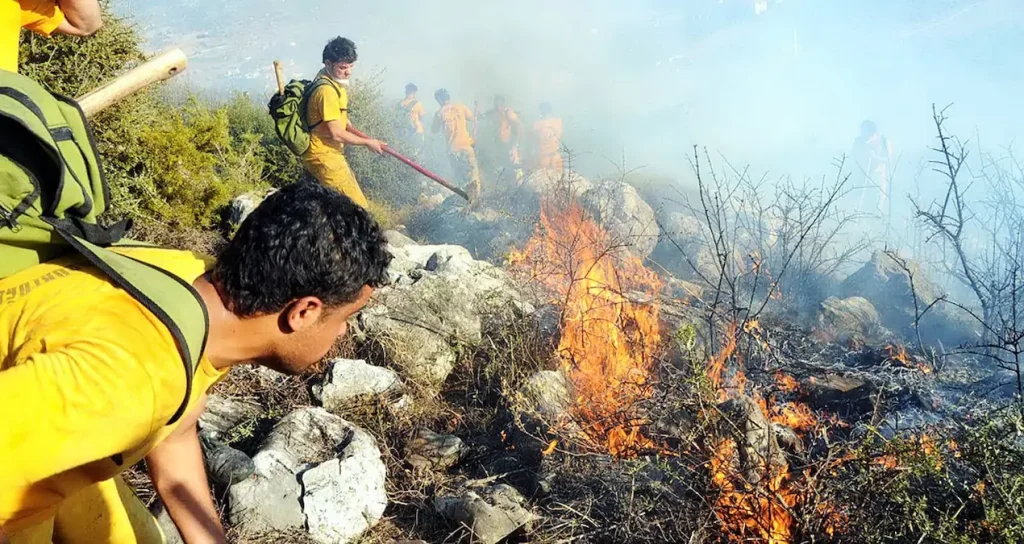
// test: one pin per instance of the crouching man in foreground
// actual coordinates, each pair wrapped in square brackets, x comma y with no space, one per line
[89,377]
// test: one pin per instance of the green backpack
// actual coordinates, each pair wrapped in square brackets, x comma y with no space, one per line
[288,111]
[52,194]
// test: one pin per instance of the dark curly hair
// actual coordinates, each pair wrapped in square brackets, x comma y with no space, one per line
[304,240]
[340,50]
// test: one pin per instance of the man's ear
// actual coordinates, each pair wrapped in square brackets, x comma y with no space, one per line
[302,314]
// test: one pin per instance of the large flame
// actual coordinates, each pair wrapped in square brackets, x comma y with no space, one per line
[608,338]
[759,511]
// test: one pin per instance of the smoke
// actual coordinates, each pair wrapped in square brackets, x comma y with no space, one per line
[780,85]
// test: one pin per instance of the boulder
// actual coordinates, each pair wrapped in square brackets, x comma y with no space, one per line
[849,319]
[492,514]
[757,445]
[314,471]
[547,184]
[548,394]
[884,283]
[848,396]
[241,206]
[223,413]
[348,381]
[224,464]
[678,246]
[432,451]
[617,207]
[488,233]
[441,298]
[398,239]
[417,328]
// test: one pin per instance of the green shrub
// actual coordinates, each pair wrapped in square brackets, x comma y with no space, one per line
[249,118]
[382,178]
[962,486]
[194,166]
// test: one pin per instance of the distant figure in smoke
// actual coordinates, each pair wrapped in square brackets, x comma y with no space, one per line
[455,119]
[546,140]
[506,130]
[412,112]
[872,155]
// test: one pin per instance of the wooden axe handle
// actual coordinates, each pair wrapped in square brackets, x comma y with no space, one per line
[278,73]
[163,66]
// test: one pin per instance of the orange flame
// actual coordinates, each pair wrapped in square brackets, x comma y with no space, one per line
[751,513]
[899,354]
[608,340]
[550,447]
[761,511]
[786,383]
[796,416]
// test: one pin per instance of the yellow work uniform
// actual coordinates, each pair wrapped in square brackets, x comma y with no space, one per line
[452,118]
[40,16]
[506,120]
[325,158]
[414,113]
[547,143]
[89,379]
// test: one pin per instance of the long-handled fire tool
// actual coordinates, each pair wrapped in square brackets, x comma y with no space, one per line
[163,66]
[387,149]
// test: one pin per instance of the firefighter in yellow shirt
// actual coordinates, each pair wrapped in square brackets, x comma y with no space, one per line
[73,17]
[454,119]
[327,119]
[507,130]
[89,377]
[412,111]
[546,140]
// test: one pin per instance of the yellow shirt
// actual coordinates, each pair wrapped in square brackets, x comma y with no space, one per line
[414,112]
[88,381]
[41,16]
[506,121]
[327,103]
[547,136]
[452,117]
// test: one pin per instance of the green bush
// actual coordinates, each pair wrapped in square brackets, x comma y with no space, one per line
[382,178]
[195,166]
[171,163]
[175,159]
[248,118]
[962,485]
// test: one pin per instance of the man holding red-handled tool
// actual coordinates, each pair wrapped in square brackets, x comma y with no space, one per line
[327,118]
[311,118]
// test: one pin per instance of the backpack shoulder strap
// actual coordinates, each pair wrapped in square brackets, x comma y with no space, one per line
[172,300]
[317,82]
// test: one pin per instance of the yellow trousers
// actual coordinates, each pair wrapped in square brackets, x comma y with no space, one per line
[103,513]
[466,171]
[332,170]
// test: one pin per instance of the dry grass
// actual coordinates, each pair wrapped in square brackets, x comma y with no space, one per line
[206,242]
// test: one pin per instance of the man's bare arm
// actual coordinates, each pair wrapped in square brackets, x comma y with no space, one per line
[179,476]
[338,133]
[81,17]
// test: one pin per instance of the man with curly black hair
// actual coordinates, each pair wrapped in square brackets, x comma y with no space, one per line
[328,122]
[89,377]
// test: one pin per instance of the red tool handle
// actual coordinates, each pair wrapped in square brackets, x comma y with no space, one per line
[416,167]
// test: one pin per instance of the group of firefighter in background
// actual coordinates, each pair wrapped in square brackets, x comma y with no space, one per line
[502,140]
[499,135]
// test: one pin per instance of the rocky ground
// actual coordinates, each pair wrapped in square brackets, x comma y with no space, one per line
[447,416]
